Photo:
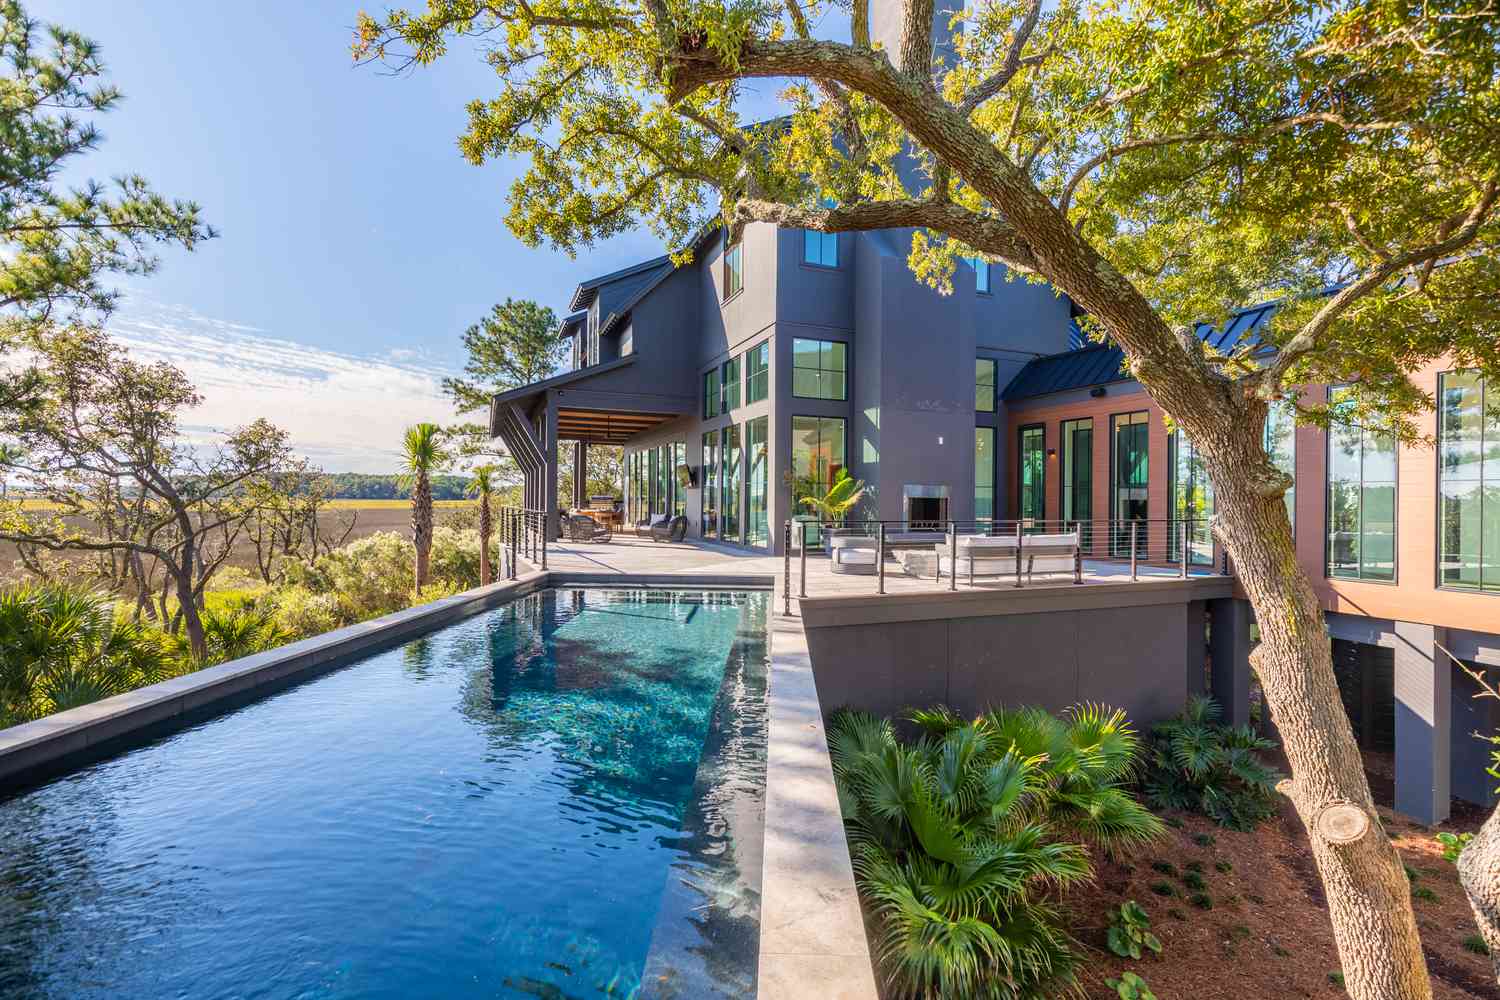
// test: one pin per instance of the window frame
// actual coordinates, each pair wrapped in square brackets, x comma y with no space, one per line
[994,433]
[993,383]
[733,273]
[712,389]
[1118,541]
[824,240]
[729,387]
[764,374]
[1328,574]
[1438,521]
[1065,492]
[843,396]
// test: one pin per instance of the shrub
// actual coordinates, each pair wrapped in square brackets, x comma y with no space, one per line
[1194,881]
[1454,844]
[1130,987]
[303,613]
[62,646]
[958,837]
[1197,764]
[370,576]
[1130,932]
[1476,944]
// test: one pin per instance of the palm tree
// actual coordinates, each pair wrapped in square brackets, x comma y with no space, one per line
[483,486]
[423,455]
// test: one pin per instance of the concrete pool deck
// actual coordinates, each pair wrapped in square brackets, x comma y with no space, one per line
[812,935]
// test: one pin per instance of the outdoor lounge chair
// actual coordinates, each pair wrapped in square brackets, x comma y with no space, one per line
[674,530]
[643,528]
[852,554]
[582,528]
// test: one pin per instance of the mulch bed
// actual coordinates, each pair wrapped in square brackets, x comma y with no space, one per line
[1259,927]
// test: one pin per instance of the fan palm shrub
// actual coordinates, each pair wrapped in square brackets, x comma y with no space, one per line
[62,646]
[1198,764]
[962,838]
[423,454]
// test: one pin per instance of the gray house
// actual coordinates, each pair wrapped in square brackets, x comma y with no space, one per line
[782,358]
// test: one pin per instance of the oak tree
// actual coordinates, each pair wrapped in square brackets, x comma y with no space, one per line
[1161,164]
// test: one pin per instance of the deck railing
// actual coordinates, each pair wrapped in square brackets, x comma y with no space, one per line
[523,534]
[1182,544]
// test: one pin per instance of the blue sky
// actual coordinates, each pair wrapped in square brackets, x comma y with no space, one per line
[356,243]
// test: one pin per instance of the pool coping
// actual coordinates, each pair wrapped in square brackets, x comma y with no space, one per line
[812,932]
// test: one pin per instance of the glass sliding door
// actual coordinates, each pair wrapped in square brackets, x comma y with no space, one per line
[679,488]
[1077,470]
[1032,477]
[757,492]
[984,476]
[1129,463]
[817,456]
[710,523]
[1192,501]
[729,478]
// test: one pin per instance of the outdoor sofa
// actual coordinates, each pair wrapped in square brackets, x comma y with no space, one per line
[995,555]
[644,527]
[852,554]
[674,530]
[583,528]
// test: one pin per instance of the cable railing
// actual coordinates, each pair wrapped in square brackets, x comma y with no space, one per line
[1011,551]
[523,534]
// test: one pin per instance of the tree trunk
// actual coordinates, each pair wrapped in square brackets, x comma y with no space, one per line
[1369,897]
[188,609]
[485,528]
[1479,871]
[421,529]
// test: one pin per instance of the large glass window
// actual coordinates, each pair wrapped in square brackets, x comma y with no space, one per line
[757,442]
[679,489]
[1468,483]
[652,480]
[710,394]
[729,393]
[1361,496]
[818,369]
[984,475]
[1077,469]
[1129,464]
[1281,446]
[710,522]
[730,481]
[981,274]
[758,372]
[1032,477]
[984,385]
[820,248]
[1192,501]
[734,270]
[666,479]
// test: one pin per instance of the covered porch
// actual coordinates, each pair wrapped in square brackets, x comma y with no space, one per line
[599,405]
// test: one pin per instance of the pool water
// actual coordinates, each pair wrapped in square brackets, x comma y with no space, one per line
[559,798]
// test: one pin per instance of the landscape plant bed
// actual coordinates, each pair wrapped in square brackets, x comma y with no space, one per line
[1261,928]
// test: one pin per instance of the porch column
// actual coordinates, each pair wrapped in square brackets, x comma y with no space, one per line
[1424,721]
[1229,654]
[549,478]
[580,474]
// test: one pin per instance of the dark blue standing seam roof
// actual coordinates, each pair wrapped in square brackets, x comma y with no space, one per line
[1101,364]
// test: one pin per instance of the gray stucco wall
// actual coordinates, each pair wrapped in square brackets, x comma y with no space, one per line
[1053,651]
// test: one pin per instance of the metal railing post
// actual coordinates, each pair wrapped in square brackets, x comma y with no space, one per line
[1183,570]
[952,556]
[1018,553]
[512,520]
[1078,554]
[802,564]
[786,583]
[1134,533]
[880,557]
[545,533]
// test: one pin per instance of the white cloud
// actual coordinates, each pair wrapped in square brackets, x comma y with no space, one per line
[344,412]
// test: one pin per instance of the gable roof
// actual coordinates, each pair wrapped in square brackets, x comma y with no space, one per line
[1103,364]
[571,324]
[586,290]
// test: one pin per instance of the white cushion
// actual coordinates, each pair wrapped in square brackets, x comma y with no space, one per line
[854,555]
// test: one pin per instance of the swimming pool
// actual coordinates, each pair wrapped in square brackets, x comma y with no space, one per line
[561,797]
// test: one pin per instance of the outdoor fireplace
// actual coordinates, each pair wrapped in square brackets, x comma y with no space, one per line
[924,508]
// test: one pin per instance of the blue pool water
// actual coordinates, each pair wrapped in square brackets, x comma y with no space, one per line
[559,798]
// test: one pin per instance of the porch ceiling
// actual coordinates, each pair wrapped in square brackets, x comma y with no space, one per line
[604,426]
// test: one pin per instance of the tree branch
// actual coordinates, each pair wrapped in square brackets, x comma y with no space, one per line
[1011,65]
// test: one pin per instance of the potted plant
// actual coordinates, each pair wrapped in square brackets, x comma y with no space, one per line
[833,504]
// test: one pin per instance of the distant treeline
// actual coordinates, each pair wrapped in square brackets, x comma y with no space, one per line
[358,486]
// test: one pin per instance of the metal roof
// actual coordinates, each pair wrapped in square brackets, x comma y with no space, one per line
[584,292]
[1101,364]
